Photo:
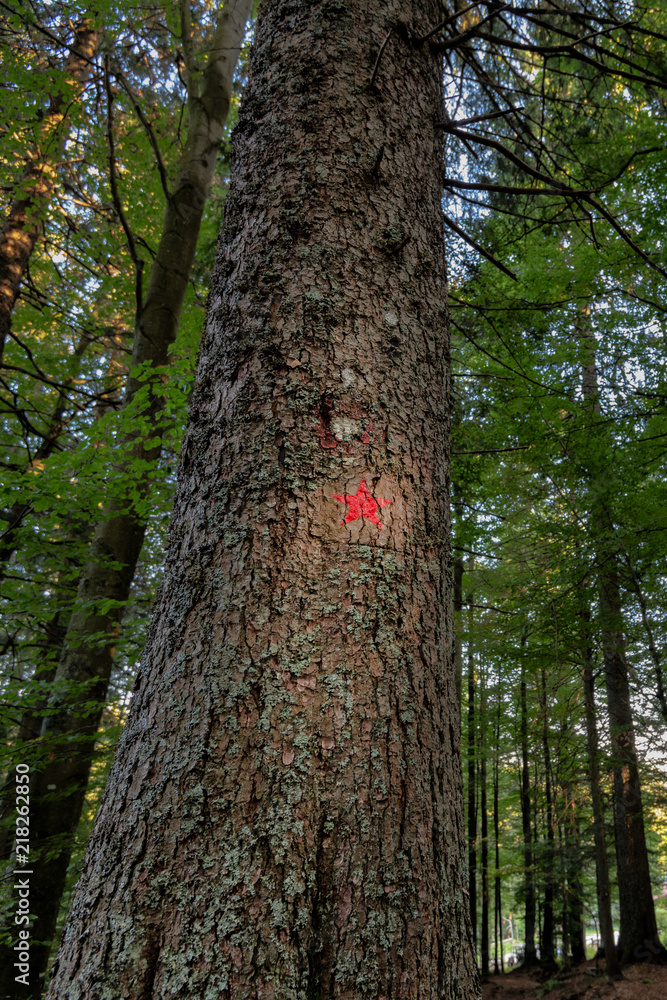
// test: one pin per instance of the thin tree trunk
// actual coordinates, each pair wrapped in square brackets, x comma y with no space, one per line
[472,778]
[563,892]
[639,933]
[639,939]
[484,951]
[574,915]
[58,791]
[547,955]
[25,218]
[284,817]
[496,837]
[458,643]
[601,866]
[530,954]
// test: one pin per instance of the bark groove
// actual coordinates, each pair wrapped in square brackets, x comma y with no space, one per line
[286,807]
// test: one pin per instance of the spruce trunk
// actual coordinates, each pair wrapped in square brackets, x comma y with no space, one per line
[284,818]
[58,790]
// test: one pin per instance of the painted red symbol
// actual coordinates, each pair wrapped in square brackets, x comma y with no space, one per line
[361,504]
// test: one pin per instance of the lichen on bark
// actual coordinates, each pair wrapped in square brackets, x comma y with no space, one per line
[284,816]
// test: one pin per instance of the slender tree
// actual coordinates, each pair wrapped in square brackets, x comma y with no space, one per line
[639,933]
[472,771]
[547,953]
[285,814]
[601,864]
[530,953]
[484,832]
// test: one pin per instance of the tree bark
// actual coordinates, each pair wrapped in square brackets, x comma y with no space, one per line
[58,791]
[284,818]
[25,217]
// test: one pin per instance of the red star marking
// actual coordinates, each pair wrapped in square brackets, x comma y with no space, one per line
[362,504]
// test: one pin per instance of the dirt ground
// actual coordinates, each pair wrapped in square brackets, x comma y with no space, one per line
[641,982]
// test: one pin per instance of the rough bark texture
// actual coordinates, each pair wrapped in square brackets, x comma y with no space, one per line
[25,217]
[284,818]
[58,791]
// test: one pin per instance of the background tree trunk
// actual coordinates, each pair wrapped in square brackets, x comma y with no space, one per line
[601,866]
[458,607]
[547,952]
[498,901]
[484,942]
[472,778]
[638,939]
[574,910]
[284,817]
[530,954]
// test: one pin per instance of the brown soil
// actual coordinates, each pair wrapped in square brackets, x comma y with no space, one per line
[641,982]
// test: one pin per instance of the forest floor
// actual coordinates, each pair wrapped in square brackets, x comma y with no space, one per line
[641,982]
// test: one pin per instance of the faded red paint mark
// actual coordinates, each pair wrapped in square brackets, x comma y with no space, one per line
[323,431]
[361,504]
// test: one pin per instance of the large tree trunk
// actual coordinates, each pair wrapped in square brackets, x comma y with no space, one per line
[57,792]
[284,818]
[25,217]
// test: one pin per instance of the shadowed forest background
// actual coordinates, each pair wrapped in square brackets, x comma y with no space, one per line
[554,187]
